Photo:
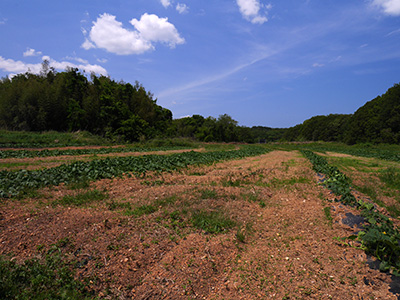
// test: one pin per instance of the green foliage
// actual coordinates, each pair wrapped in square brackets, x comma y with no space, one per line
[18,139]
[51,278]
[319,128]
[141,210]
[391,176]
[378,121]
[82,198]
[211,222]
[68,101]
[74,152]
[223,129]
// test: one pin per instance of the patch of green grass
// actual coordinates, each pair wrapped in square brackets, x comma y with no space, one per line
[243,232]
[211,222]
[253,197]
[328,215]
[13,165]
[81,184]
[351,163]
[208,194]
[113,205]
[166,201]
[229,182]
[391,177]
[82,198]
[141,210]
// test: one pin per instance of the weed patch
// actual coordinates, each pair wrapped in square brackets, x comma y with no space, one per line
[84,198]
[51,278]
[141,210]
[211,222]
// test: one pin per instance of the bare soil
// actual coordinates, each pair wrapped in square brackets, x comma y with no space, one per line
[283,246]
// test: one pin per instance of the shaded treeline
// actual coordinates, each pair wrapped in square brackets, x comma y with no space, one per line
[69,101]
[378,121]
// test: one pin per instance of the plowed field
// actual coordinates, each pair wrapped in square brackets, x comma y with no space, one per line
[254,228]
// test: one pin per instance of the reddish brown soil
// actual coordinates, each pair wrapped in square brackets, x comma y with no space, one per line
[285,249]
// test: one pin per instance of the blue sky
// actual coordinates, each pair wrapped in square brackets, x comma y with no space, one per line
[271,63]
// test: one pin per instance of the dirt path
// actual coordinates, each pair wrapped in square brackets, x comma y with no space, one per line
[281,247]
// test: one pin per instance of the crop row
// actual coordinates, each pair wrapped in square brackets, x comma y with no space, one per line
[380,237]
[58,152]
[12,183]
[385,152]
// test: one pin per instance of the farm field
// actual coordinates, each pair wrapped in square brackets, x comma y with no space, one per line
[220,222]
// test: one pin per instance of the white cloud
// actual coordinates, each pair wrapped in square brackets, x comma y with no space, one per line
[182,8]
[10,65]
[109,34]
[155,29]
[250,10]
[165,3]
[87,45]
[3,21]
[389,7]
[31,52]
[318,65]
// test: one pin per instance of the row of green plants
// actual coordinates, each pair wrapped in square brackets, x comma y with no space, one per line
[379,236]
[72,152]
[14,183]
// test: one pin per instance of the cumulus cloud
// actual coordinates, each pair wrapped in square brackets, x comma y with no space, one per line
[165,3]
[251,10]
[31,52]
[109,34]
[155,29]
[182,8]
[389,7]
[13,66]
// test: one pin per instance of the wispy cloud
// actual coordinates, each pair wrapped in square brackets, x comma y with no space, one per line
[31,52]
[182,8]
[165,3]
[389,7]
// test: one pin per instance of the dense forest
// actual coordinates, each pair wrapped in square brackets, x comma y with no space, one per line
[70,101]
[378,121]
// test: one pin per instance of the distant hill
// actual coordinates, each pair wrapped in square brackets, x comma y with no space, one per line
[378,121]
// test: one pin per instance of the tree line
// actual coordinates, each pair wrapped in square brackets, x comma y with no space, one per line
[70,101]
[378,121]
